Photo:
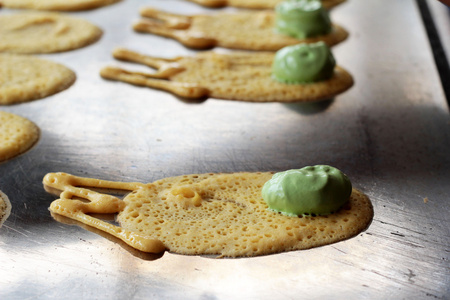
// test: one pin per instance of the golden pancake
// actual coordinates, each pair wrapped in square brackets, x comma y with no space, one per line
[244,76]
[258,4]
[221,214]
[56,5]
[45,32]
[25,78]
[238,30]
[17,135]
[5,208]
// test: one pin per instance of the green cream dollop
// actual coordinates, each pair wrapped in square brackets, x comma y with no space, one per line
[317,190]
[302,19]
[303,63]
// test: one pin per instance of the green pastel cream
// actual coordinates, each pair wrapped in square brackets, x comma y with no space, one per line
[303,63]
[302,19]
[318,190]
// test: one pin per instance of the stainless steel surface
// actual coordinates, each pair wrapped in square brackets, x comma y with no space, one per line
[441,16]
[390,133]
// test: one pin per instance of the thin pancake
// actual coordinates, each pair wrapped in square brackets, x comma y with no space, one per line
[244,76]
[25,78]
[5,208]
[17,135]
[56,5]
[221,214]
[242,30]
[45,32]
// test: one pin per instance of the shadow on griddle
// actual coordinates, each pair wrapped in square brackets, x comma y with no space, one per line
[310,108]
[191,100]
[52,190]
[109,217]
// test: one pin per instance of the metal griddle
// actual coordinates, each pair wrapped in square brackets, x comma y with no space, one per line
[390,133]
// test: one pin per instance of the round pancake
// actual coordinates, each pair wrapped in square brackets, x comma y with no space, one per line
[225,214]
[222,214]
[17,135]
[45,32]
[25,78]
[243,76]
[56,5]
[5,208]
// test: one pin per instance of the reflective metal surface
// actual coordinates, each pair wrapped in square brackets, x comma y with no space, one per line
[441,16]
[390,133]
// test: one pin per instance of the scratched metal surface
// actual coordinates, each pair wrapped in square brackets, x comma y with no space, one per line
[390,133]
